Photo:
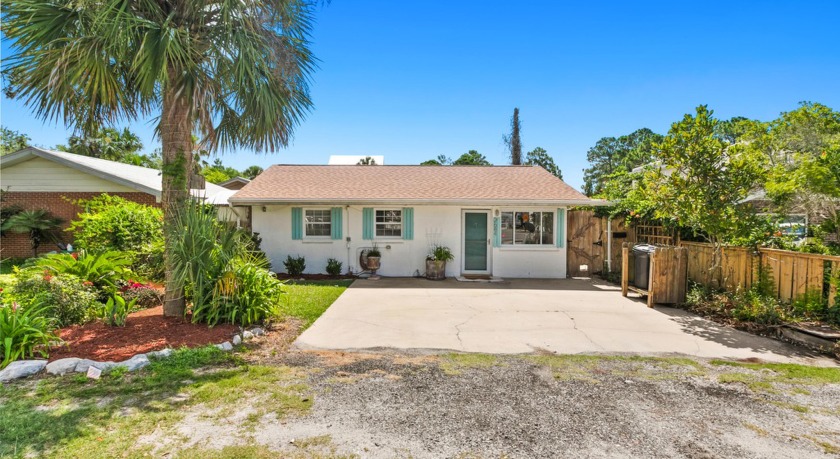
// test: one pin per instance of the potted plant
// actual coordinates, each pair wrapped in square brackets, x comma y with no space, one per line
[436,262]
[373,259]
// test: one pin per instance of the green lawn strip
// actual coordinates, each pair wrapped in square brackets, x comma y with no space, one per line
[455,363]
[593,368]
[307,300]
[787,373]
[72,416]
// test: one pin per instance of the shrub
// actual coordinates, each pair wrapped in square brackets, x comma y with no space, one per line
[115,311]
[295,266]
[111,223]
[104,270]
[221,277]
[755,306]
[334,267]
[142,295]
[246,295]
[25,332]
[66,298]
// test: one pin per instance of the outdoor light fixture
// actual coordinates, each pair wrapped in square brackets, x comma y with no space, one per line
[263,208]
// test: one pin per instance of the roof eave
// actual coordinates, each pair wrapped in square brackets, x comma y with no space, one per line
[470,202]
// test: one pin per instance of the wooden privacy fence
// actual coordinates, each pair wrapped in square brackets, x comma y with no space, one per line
[791,274]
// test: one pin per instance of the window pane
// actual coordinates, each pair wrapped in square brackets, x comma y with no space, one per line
[389,223]
[526,231]
[388,216]
[389,229]
[317,222]
[507,228]
[548,228]
[316,229]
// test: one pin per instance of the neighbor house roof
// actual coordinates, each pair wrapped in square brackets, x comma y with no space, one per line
[235,183]
[492,185]
[144,179]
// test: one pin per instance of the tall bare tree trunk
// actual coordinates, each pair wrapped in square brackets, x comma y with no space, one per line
[176,135]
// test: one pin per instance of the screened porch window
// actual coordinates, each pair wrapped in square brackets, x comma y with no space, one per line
[527,228]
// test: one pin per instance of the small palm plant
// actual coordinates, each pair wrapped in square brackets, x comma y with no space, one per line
[39,224]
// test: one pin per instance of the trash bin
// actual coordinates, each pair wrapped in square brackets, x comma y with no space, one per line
[641,265]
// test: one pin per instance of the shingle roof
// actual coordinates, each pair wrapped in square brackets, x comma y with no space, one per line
[408,184]
[140,178]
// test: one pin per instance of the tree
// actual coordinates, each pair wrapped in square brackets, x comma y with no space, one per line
[441,160]
[235,72]
[218,172]
[366,161]
[539,157]
[11,141]
[699,180]
[471,158]
[804,147]
[38,224]
[513,141]
[111,144]
[612,155]
[252,172]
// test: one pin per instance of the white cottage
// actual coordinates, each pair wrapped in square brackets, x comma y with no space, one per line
[507,221]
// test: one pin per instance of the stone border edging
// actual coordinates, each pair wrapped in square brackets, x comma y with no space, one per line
[25,368]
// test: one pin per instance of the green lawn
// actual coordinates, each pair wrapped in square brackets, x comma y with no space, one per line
[73,416]
[309,299]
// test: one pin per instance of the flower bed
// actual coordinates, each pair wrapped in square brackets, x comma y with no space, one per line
[145,331]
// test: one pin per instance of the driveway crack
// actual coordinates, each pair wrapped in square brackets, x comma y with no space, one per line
[575,327]
[458,326]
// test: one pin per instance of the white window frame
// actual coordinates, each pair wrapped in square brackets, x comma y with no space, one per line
[376,224]
[329,225]
[520,246]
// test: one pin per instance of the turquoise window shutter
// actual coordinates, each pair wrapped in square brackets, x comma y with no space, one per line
[408,223]
[367,223]
[560,234]
[336,225]
[497,231]
[297,223]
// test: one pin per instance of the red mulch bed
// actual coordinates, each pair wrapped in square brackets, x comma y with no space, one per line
[144,331]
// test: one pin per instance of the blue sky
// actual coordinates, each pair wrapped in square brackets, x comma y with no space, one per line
[412,80]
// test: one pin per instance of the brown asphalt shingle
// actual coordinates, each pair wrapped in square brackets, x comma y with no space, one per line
[302,183]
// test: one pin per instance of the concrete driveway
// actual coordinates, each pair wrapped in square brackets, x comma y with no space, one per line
[567,316]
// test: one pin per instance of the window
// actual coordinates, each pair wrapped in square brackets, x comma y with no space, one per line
[317,222]
[523,227]
[389,223]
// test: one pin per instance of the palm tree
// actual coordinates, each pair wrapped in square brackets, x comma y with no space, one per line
[39,224]
[234,72]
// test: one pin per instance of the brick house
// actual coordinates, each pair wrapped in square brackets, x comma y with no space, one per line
[35,178]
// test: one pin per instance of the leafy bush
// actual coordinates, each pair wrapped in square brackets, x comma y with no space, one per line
[334,267]
[141,295]
[66,298]
[295,266]
[24,332]
[111,223]
[755,306]
[221,277]
[246,295]
[115,310]
[104,270]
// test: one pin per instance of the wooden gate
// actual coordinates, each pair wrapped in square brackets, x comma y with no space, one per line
[585,243]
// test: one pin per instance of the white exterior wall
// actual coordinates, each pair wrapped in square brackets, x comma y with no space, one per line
[39,174]
[400,258]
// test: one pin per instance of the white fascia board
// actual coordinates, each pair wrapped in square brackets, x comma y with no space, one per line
[407,202]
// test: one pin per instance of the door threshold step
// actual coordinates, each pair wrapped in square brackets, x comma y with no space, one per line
[479,279]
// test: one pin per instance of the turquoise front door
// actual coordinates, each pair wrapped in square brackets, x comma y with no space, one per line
[476,242]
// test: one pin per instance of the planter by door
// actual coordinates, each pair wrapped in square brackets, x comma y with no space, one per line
[436,269]
[373,264]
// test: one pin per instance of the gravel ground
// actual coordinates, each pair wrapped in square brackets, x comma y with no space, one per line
[398,405]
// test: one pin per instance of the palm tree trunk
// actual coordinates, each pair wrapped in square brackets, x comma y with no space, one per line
[176,135]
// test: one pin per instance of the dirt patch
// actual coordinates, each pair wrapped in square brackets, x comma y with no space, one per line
[144,331]
[271,347]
